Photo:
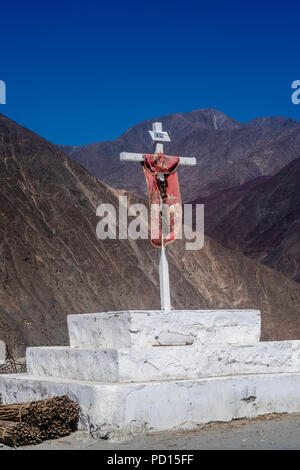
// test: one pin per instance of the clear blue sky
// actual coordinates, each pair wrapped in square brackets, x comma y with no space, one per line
[83,71]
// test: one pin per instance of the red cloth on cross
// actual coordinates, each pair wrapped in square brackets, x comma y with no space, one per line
[168,191]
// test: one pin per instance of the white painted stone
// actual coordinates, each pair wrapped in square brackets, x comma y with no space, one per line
[2,352]
[164,363]
[65,362]
[118,410]
[139,388]
[140,329]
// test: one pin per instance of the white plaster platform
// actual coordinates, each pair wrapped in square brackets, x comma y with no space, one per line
[118,410]
[151,371]
[146,328]
[164,363]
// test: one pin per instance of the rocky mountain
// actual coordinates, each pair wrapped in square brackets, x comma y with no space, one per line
[232,159]
[52,264]
[261,218]
[228,153]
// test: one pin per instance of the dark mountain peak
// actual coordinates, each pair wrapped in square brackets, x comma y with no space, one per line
[211,118]
[7,125]
[13,130]
[176,123]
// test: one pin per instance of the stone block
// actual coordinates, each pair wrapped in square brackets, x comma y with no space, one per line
[140,329]
[164,363]
[118,410]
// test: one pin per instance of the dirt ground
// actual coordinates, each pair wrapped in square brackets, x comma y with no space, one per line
[271,432]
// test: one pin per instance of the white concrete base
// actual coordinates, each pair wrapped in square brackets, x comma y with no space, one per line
[164,363]
[118,410]
[127,380]
[145,328]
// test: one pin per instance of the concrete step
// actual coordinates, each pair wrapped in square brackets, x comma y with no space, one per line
[118,410]
[164,363]
[142,329]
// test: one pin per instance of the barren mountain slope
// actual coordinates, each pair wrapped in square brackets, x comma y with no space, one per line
[228,279]
[261,218]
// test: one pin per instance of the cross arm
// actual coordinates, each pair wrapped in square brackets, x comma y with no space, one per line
[139,157]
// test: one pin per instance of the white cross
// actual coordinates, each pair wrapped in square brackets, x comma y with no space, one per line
[158,136]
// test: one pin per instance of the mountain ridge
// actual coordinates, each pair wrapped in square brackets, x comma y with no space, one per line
[228,155]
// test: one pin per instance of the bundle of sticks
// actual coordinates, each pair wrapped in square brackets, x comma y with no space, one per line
[47,419]
[18,434]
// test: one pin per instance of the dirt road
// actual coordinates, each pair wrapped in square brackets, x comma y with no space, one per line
[268,432]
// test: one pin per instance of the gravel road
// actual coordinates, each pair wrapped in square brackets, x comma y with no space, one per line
[267,432]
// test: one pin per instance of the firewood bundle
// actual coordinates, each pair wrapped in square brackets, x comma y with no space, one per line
[18,434]
[49,419]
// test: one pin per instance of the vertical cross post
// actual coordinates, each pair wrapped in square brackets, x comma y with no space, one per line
[164,280]
[158,136]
